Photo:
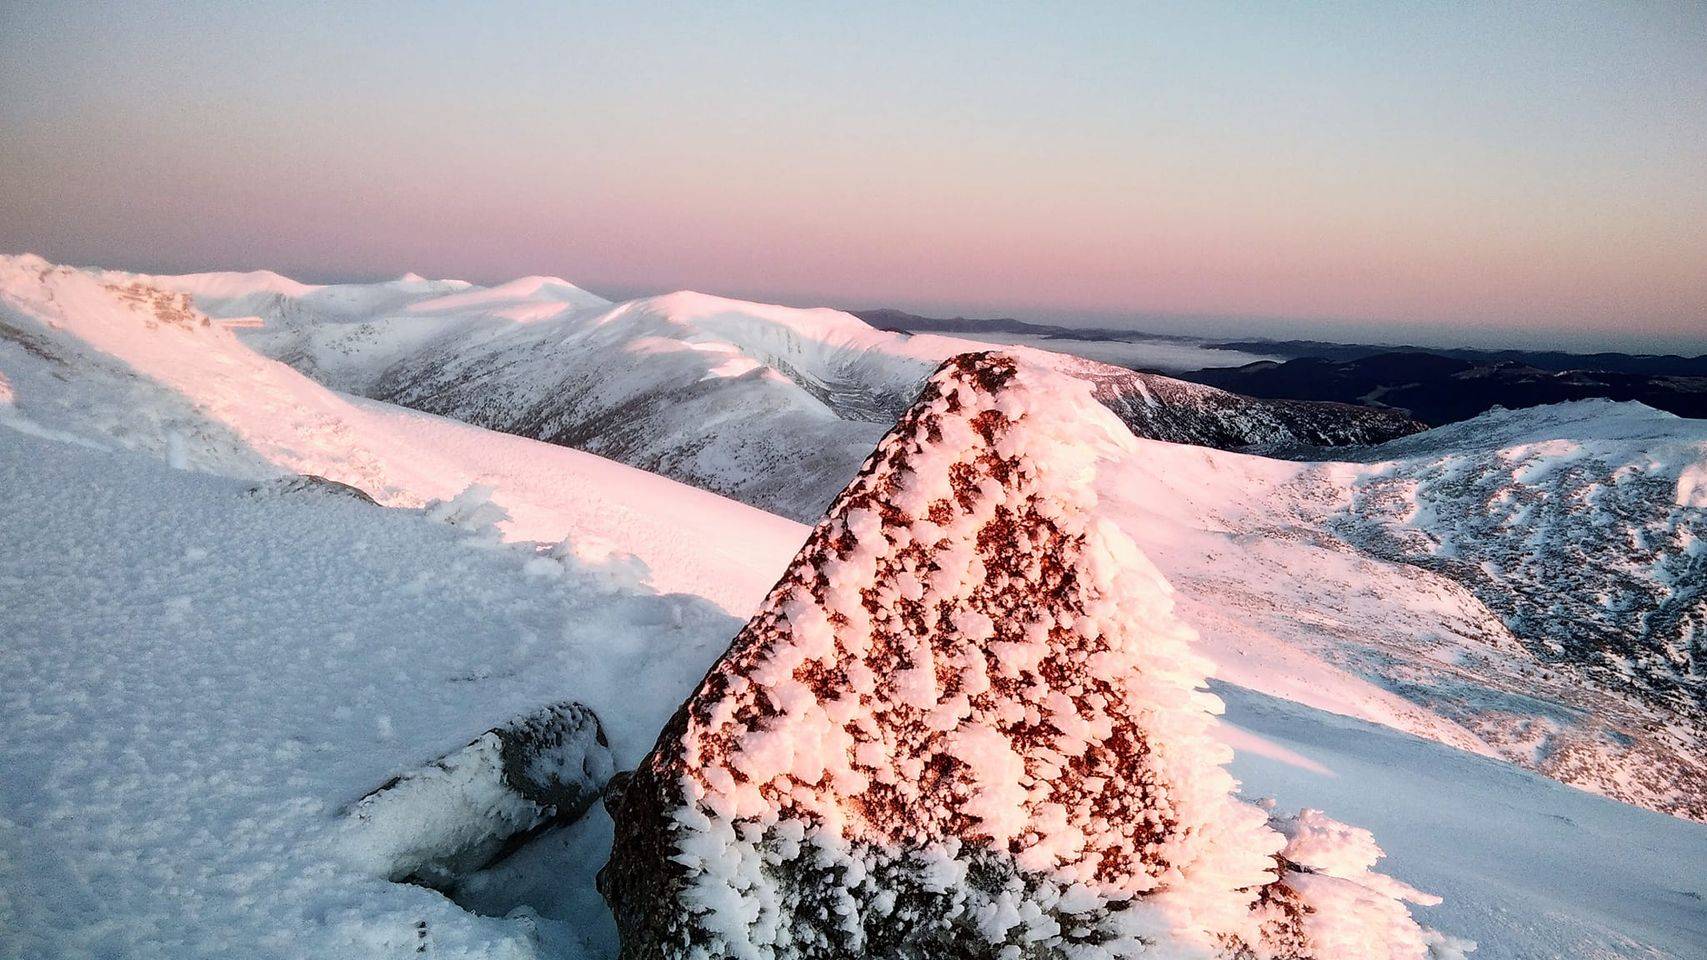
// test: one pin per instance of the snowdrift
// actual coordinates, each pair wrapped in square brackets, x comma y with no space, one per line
[465,810]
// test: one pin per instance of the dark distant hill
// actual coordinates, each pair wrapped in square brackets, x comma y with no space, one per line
[1658,365]
[1440,387]
[900,321]
[1433,384]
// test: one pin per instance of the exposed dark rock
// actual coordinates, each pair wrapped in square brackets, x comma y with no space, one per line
[1438,388]
[308,483]
[1165,408]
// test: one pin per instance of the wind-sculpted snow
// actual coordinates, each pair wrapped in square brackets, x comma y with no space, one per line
[199,681]
[1296,594]
[189,706]
[438,823]
[966,724]
[201,672]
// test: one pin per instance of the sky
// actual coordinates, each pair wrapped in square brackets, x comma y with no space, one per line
[1500,174]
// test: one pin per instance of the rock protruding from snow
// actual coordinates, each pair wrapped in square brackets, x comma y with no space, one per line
[308,484]
[471,511]
[468,808]
[967,724]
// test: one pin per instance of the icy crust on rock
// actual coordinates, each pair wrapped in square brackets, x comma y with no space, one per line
[967,724]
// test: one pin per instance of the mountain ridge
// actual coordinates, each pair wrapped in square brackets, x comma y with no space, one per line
[685,383]
[1289,566]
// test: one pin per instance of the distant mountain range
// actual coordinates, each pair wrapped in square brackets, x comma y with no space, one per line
[900,321]
[770,405]
[1438,389]
[1435,385]
[1658,365]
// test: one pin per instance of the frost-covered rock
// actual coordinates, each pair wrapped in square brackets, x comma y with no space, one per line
[1329,902]
[466,809]
[967,724]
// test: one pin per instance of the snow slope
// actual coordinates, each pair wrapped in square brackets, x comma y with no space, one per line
[1526,868]
[113,359]
[198,680]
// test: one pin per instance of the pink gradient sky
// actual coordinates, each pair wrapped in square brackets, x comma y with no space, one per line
[1530,175]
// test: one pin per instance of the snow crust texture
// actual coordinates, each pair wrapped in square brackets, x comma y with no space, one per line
[966,724]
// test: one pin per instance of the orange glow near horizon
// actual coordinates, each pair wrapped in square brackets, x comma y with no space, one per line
[1470,176]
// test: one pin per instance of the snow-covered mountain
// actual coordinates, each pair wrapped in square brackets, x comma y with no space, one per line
[1349,586]
[777,406]
[771,405]
[114,360]
[199,680]
[1415,588]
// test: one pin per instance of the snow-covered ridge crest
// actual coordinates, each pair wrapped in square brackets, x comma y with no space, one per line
[122,360]
[967,724]
[772,405]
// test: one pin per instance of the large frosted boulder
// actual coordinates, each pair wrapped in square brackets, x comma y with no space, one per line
[966,724]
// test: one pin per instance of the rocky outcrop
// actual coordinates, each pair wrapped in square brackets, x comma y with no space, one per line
[966,724]
[467,809]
